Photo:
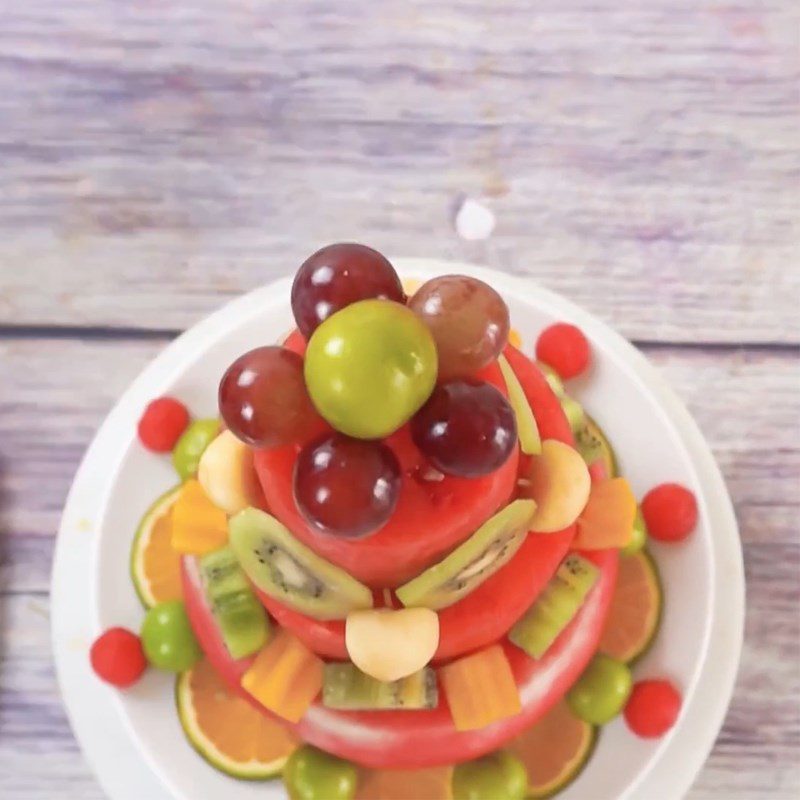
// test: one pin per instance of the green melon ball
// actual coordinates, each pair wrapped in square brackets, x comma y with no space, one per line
[370,367]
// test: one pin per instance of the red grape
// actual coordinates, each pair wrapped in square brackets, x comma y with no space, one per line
[117,657]
[670,512]
[346,487]
[335,277]
[468,319]
[161,425]
[467,428]
[564,348]
[263,398]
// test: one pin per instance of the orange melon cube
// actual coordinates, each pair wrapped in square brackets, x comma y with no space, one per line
[198,526]
[480,689]
[607,520]
[285,677]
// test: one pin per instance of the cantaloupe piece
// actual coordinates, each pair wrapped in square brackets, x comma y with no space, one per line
[198,526]
[480,689]
[226,730]
[559,481]
[285,677]
[607,519]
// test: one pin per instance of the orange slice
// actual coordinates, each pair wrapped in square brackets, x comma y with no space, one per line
[435,783]
[226,730]
[632,621]
[554,750]
[155,566]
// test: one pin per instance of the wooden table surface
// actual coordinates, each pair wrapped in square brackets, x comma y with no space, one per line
[643,158]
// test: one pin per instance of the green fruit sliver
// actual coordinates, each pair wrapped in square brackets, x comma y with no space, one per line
[607,451]
[430,588]
[528,431]
[140,540]
[553,379]
[222,574]
[248,771]
[556,606]
[574,412]
[346,687]
[639,537]
[242,620]
[243,623]
[340,592]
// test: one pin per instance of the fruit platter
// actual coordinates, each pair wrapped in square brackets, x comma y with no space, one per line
[392,550]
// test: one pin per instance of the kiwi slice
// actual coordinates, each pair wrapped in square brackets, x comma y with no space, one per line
[346,687]
[574,412]
[241,618]
[606,450]
[290,572]
[588,444]
[555,607]
[528,431]
[552,378]
[470,564]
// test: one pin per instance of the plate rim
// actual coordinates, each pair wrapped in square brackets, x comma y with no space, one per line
[708,699]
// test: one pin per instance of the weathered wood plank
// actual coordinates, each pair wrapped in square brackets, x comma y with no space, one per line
[641,159]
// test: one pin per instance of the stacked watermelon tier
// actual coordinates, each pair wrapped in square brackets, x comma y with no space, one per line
[433,519]
[403,560]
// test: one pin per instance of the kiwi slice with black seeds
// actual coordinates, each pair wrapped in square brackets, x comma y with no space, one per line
[290,572]
[472,562]
[242,621]
[344,686]
[588,444]
[556,606]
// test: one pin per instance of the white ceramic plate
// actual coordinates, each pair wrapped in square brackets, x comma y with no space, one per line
[133,740]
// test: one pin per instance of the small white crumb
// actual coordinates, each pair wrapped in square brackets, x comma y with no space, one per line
[474,221]
[432,474]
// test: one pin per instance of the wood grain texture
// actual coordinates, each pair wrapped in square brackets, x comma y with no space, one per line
[640,157]
[73,383]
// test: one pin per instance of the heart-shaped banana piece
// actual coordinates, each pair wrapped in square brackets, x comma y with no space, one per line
[227,474]
[559,481]
[391,644]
